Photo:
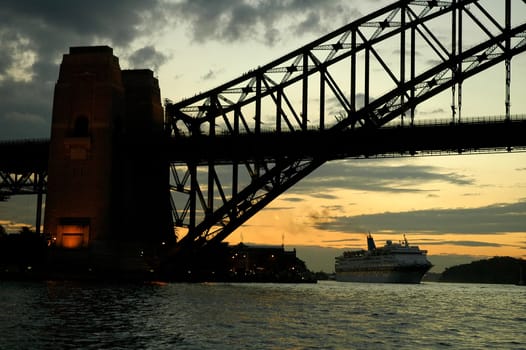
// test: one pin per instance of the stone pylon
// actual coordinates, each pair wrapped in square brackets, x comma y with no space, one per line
[108,182]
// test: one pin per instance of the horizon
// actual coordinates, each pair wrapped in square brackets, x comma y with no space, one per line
[456,206]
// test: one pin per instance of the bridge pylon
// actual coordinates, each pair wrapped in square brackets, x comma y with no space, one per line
[107,205]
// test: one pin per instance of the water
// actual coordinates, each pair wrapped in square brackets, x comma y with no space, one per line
[327,315]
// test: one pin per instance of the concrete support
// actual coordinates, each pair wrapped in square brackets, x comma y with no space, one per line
[88,103]
[108,182]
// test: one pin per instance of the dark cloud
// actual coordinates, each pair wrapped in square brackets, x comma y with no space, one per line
[233,20]
[85,20]
[147,57]
[292,199]
[25,111]
[33,36]
[271,208]
[324,195]
[492,219]
[372,176]
[466,243]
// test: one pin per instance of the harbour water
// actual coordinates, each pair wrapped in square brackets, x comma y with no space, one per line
[327,315]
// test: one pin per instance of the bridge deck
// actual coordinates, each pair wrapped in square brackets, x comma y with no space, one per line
[490,136]
[24,156]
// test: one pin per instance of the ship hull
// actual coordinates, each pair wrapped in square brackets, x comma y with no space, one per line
[412,274]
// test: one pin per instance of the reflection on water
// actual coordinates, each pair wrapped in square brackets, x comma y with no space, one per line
[327,315]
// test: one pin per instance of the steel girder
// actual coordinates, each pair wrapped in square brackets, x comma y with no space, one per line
[212,199]
[23,167]
[22,183]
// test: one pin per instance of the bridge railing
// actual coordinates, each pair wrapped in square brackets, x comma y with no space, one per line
[465,120]
[394,123]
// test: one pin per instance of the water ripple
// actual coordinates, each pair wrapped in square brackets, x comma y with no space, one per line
[327,315]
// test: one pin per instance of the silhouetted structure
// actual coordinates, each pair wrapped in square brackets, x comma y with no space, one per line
[267,264]
[499,269]
[243,263]
[108,193]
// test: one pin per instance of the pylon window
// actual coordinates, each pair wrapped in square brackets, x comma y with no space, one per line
[81,126]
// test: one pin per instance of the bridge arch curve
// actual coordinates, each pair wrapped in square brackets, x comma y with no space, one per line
[291,101]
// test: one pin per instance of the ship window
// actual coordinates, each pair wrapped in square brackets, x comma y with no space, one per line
[81,127]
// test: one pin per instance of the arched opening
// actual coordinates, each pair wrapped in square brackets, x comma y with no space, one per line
[81,126]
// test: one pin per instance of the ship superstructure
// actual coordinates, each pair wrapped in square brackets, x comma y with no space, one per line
[392,263]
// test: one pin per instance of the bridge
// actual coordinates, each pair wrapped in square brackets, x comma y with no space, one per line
[274,125]
[326,86]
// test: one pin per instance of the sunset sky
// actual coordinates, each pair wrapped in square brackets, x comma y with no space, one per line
[459,208]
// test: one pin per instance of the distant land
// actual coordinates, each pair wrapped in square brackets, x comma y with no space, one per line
[498,270]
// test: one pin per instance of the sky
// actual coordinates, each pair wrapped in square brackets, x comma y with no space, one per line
[459,208]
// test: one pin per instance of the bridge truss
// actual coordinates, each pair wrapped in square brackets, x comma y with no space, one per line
[328,87]
[23,167]
[23,170]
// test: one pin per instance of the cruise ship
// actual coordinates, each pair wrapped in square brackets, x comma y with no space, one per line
[392,263]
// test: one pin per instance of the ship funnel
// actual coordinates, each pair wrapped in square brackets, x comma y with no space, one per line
[370,243]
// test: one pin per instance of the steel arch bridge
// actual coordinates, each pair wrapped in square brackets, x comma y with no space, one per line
[326,90]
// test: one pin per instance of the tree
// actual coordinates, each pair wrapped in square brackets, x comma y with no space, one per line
[26,231]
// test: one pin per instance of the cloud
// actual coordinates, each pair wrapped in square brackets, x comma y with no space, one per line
[466,243]
[292,199]
[210,75]
[491,219]
[96,19]
[147,57]
[372,176]
[471,194]
[346,240]
[368,175]
[324,195]
[236,20]
[33,36]
[25,111]
[270,208]
[17,212]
